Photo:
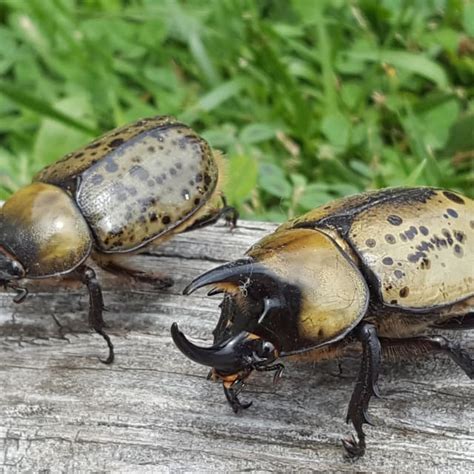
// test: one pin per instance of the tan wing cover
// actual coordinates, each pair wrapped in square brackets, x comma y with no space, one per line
[74,163]
[139,182]
[421,253]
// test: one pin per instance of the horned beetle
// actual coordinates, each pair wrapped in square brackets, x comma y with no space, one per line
[135,185]
[367,274]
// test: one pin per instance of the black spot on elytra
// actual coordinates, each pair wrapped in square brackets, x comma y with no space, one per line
[403,237]
[151,183]
[185,194]
[453,197]
[93,145]
[151,149]
[387,261]
[424,246]
[394,220]
[116,142]
[153,217]
[439,243]
[116,232]
[398,273]
[139,172]
[196,201]
[207,180]
[411,232]
[448,236]
[393,301]
[390,239]
[370,243]
[320,332]
[459,236]
[166,220]
[111,166]
[96,179]
[458,251]
[198,178]
[79,155]
[172,171]
[404,292]
[425,264]
[178,165]
[452,212]
[159,180]
[414,257]
[424,230]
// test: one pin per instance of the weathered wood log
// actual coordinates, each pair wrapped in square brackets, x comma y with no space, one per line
[62,410]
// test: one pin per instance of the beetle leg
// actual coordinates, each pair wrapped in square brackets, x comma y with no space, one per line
[466,321]
[229,213]
[113,264]
[96,307]
[277,368]
[21,292]
[424,344]
[365,388]
[232,392]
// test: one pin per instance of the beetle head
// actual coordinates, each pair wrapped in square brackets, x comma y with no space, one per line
[10,268]
[244,338]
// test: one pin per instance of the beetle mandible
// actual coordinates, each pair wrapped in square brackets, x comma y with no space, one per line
[135,185]
[368,273]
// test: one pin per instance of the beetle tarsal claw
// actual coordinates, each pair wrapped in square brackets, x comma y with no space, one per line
[354,449]
[232,395]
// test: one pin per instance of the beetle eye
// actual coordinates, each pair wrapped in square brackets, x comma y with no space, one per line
[267,349]
[16,269]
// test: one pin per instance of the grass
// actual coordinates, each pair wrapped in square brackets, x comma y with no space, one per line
[309,100]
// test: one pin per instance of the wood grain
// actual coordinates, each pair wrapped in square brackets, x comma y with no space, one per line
[153,410]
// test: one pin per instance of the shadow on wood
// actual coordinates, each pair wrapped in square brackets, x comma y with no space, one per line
[61,409]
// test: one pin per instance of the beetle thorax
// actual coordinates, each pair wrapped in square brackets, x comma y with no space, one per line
[43,228]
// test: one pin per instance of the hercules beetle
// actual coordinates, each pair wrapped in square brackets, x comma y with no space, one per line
[133,186]
[367,273]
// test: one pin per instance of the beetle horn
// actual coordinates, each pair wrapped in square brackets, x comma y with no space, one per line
[219,356]
[234,272]
[232,356]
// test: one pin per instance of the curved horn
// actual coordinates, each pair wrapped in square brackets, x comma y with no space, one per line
[230,272]
[225,358]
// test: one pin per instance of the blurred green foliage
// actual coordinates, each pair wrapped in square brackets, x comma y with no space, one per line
[309,99]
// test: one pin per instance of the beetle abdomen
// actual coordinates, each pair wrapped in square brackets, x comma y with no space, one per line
[420,254]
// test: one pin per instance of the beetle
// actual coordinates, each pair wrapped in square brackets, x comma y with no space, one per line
[134,186]
[366,274]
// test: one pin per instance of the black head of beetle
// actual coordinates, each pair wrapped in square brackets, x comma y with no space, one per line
[11,271]
[254,327]
[10,268]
